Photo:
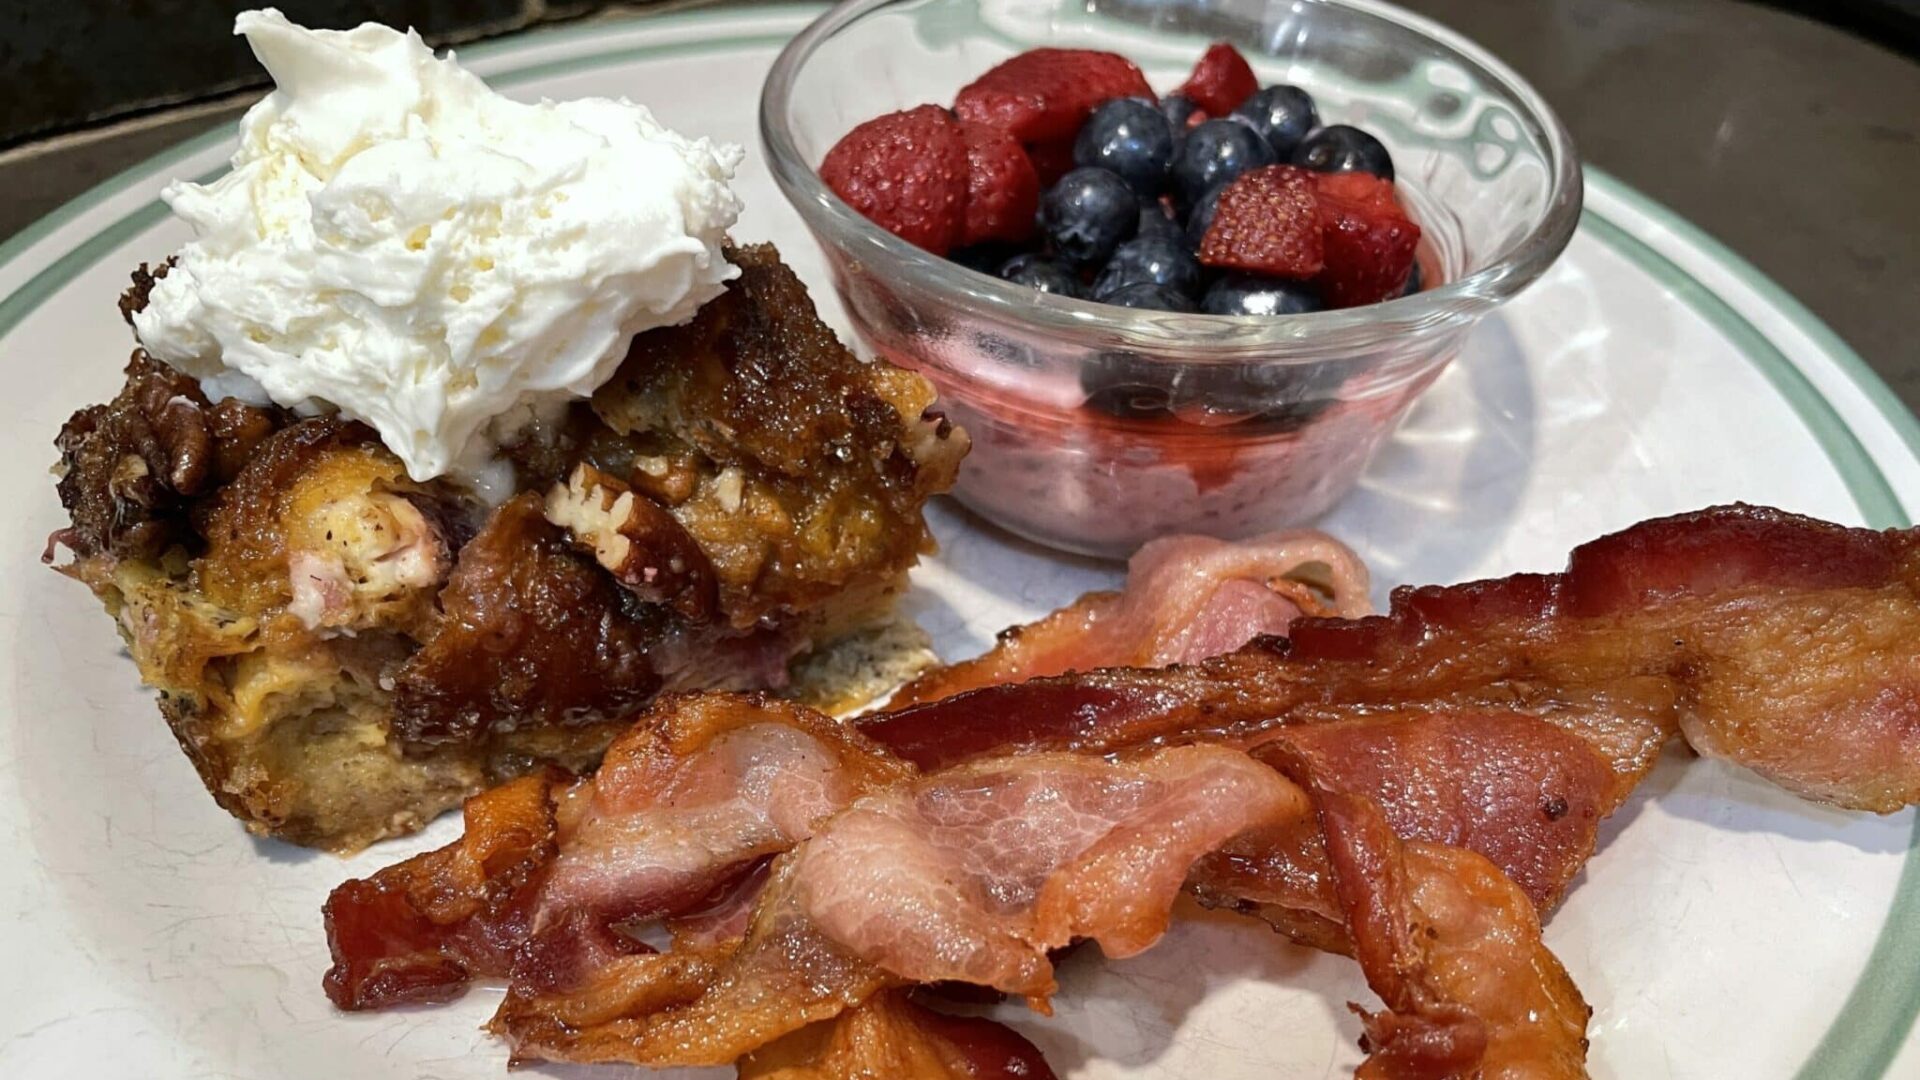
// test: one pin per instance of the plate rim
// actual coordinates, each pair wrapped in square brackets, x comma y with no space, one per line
[1876,1018]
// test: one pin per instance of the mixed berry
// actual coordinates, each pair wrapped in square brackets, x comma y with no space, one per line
[1061,170]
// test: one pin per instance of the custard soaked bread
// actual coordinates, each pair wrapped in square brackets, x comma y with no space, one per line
[345,652]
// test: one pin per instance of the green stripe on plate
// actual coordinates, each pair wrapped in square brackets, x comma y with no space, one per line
[1858,371]
[1874,1020]
[1871,491]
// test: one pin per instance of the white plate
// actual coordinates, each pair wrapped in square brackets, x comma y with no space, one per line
[1724,929]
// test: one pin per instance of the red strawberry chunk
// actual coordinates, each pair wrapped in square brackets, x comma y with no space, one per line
[1002,189]
[1368,239]
[1221,80]
[1268,222]
[1051,160]
[1358,189]
[907,172]
[1043,95]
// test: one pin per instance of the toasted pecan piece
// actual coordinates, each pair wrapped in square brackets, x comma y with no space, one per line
[636,540]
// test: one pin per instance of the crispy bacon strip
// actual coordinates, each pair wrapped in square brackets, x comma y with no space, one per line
[417,931]
[1526,795]
[891,1036]
[689,805]
[1186,598]
[974,874]
[686,803]
[1076,846]
[1450,943]
[968,876]
[1547,696]
[1778,642]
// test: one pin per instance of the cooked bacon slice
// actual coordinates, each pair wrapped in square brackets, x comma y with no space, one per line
[1451,945]
[1186,598]
[684,806]
[891,1036]
[1778,642]
[1505,716]
[1523,793]
[974,874]
[419,930]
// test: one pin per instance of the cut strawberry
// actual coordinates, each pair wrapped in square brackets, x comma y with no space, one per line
[1359,189]
[1043,95]
[1267,222]
[1002,188]
[1051,160]
[907,172]
[1221,80]
[1368,239]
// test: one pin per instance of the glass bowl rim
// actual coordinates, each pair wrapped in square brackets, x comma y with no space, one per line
[1192,337]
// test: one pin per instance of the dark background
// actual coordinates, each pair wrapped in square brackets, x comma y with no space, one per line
[1790,131]
[67,63]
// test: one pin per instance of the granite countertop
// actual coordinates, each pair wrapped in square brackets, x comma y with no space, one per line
[1795,143]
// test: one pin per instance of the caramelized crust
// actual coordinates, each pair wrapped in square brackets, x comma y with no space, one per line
[794,465]
[648,552]
[345,653]
[531,634]
[130,469]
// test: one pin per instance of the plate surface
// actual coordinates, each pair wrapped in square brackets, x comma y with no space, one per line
[1724,929]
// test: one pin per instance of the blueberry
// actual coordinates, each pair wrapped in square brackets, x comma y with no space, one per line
[1131,138]
[1149,260]
[1267,397]
[1003,351]
[1042,273]
[1251,294]
[1342,148]
[1200,218]
[1087,214]
[1282,115]
[1128,385]
[1414,280]
[1147,296]
[1156,220]
[984,258]
[1179,110]
[1215,153]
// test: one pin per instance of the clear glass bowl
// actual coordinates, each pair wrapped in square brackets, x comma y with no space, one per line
[1096,428]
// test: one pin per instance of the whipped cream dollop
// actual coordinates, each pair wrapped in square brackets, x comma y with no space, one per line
[400,243]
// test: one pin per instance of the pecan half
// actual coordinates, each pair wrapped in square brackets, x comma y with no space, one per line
[636,540]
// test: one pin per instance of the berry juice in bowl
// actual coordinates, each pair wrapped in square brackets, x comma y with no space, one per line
[1169,282]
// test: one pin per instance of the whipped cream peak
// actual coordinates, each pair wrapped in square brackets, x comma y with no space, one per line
[400,243]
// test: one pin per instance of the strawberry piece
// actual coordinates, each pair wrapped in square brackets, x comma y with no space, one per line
[1044,95]
[1221,80]
[1051,160]
[1267,222]
[1360,189]
[907,172]
[1368,239]
[1002,189]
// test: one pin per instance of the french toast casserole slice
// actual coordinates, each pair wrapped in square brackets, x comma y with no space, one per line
[344,653]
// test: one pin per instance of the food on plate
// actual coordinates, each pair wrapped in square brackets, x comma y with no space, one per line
[862,896]
[429,257]
[1697,622]
[1141,202]
[1187,598]
[460,430]
[1414,789]
[890,1035]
